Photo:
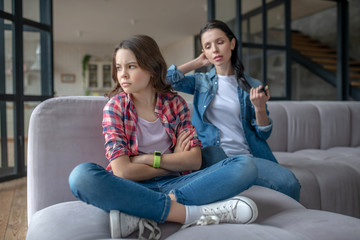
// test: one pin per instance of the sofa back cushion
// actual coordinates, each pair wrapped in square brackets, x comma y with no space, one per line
[314,125]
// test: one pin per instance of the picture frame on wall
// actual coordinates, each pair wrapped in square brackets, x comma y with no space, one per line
[67,78]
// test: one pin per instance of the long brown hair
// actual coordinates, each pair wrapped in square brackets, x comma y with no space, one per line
[149,58]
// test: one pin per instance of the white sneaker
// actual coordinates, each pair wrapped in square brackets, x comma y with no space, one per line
[122,225]
[238,209]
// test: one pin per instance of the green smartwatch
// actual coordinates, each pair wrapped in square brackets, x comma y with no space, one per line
[157,159]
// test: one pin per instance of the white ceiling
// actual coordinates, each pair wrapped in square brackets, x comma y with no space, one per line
[110,21]
[167,21]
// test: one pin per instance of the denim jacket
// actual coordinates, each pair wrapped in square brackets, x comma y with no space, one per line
[204,86]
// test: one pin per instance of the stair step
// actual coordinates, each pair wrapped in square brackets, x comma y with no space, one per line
[334,67]
[303,41]
[334,61]
[323,60]
[318,54]
[307,44]
[354,76]
[299,36]
[355,84]
[314,49]
[296,33]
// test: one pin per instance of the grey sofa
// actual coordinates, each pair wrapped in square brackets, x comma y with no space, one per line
[319,141]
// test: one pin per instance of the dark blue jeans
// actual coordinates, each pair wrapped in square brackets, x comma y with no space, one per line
[149,199]
[270,174]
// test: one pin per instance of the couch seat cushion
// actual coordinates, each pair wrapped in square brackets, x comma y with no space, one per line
[329,178]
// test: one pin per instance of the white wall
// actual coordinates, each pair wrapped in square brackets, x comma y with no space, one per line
[179,53]
[68,60]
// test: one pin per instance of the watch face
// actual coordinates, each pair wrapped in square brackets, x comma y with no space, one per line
[158,154]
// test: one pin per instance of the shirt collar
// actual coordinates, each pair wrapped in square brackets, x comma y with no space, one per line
[159,104]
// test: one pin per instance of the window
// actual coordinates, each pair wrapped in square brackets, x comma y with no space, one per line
[261,31]
[27,69]
[98,75]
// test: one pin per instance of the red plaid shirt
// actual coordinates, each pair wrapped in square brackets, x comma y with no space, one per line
[120,121]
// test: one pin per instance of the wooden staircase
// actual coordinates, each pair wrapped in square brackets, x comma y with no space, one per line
[322,54]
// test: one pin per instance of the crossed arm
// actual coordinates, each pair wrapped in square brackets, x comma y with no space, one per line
[139,168]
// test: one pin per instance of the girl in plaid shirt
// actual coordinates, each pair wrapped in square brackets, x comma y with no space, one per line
[155,155]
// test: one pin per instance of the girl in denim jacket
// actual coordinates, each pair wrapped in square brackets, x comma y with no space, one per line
[152,149]
[230,113]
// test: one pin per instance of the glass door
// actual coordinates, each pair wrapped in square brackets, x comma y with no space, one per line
[26,70]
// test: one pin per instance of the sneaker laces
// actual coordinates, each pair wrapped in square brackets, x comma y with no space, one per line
[152,226]
[208,220]
[224,212]
[203,221]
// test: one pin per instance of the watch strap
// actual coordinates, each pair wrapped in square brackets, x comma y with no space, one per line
[157,159]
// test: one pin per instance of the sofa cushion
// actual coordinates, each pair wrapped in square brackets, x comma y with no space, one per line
[280,217]
[299,131]
[328,178]
[315,224]
[314,125]
[78,220]
[69,220]
[232,231]
[290,224]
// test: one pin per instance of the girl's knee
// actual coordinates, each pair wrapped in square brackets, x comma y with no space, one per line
[80,174]
[80,170]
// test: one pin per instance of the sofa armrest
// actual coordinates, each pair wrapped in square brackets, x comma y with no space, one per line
[63,132]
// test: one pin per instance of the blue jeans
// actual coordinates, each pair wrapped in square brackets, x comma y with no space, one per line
[270,174]
[149,199]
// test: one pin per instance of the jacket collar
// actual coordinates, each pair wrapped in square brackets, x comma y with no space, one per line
[212,73]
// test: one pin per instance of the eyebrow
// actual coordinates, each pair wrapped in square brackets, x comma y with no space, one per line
[130,62]
[219,38]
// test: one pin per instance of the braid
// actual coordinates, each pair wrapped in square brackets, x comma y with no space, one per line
[239,73]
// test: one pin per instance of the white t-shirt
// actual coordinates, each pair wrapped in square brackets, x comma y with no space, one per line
[152,136]
[224,113]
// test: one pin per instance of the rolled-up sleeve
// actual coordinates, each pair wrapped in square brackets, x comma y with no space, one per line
[113,131]
[179,81]
[267,128]
[263,131]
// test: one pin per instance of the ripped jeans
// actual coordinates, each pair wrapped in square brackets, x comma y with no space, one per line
[149,199]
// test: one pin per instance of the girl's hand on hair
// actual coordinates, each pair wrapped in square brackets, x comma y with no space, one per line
[259,97]
[183,141]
